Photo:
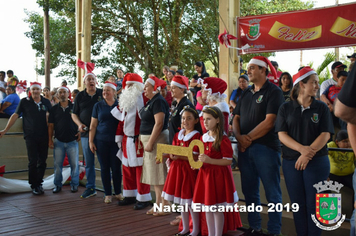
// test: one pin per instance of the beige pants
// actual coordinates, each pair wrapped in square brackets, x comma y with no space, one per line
[152,173]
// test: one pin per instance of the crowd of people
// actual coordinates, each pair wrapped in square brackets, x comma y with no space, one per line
[271,114]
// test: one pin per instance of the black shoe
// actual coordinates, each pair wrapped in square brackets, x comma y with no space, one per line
[252,232]
[141,205]
[127,201]
[57,189]
[74,189]
[36,191]
[41,189]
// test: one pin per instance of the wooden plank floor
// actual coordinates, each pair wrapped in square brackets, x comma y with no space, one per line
[65,213]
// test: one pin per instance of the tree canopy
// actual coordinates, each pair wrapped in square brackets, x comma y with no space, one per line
[143,35]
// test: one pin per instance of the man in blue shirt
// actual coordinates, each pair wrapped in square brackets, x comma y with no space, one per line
[9,104]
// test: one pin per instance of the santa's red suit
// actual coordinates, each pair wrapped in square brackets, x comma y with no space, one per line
[131,151]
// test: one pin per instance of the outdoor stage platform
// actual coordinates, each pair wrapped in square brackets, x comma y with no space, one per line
[65,213]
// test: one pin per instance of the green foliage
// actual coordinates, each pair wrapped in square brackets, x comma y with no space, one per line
[322,70]
[143,35]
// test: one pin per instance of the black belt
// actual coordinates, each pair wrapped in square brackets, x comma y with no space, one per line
[133,137]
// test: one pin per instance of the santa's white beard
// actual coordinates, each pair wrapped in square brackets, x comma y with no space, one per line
[129,97]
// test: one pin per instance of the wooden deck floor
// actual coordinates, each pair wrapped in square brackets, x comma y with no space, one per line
[66,213]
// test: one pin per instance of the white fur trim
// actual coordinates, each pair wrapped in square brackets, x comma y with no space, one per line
[223,107]
[118,138]
[139,105]
[227,158]
[258,62]
[119,155]
[182,136]
[115,112]
[144,197]
[208,138]
[179,85]
[132,158]
[151,81]
[35,86]
[129,193]
[110,85]
[304,76]
[86,75]
[176,200]
[63,88]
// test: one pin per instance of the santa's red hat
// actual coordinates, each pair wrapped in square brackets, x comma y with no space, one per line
[68,90]
[216,86]
[264,62]
[302,74]
[132,78]
[35,85]
[110,84]
[180,81]
[157,84]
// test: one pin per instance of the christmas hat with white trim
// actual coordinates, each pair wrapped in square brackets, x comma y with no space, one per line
[302,74]
[264,62]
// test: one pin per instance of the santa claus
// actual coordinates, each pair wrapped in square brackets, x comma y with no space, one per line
[131,150]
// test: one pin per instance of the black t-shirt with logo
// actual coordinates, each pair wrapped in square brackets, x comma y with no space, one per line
[253,107]
[304,127]
[155,105]
[34,117]
[64,127]
[83,106]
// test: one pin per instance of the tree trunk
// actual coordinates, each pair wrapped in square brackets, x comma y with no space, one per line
[46,45]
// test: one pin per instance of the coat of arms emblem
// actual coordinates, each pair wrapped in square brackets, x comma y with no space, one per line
[328,206]
[254,30]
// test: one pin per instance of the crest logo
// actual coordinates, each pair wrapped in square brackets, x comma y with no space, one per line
[259,99]
[315,117]
[254,30]
[328,206]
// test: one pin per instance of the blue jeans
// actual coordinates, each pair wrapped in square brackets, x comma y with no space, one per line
[60,149]
[106,152]
[300,189]
[89,163]
[260,162]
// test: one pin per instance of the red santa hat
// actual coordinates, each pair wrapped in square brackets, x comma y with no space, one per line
[302,74]
[180,81]
[132,78]
[35,85]
[110,84]
[264,62]
[88,68]
[157,84]
[68,90]
[216,86]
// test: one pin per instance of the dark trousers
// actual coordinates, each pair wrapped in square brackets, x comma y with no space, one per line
[300,189]
[106,152]
[37,152]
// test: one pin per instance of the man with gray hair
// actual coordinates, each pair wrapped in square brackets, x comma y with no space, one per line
[83,107]
[66,138]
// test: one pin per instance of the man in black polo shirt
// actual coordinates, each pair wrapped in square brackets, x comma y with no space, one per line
[259,147]
[34,111]
[66,140]
[83,107]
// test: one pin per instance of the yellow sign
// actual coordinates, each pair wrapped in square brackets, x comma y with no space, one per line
[182,151]
[344,28]
[294,35]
